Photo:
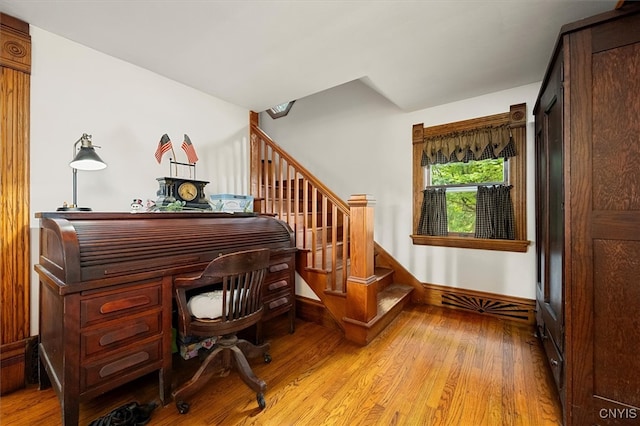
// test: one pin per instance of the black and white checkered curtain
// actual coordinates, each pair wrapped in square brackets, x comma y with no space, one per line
[494,213]
[471,145]
[433,217]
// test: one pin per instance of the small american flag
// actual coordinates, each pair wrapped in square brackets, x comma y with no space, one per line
[188,148]
[163,146]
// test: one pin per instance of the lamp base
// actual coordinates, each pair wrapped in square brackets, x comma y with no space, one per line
[74,209]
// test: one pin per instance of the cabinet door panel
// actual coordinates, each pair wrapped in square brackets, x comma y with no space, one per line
[555,259]
[615,149]
[617,302]
[604,224]
[550,198]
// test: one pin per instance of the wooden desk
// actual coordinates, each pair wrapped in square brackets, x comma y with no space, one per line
[106,291]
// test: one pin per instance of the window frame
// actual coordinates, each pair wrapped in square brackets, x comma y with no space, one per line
[517,120]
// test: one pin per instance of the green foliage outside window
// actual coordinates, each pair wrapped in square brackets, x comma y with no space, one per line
[461,199]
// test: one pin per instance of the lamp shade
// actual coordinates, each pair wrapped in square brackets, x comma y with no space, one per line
[87,159]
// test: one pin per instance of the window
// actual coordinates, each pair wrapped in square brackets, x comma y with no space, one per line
[461,170]
[280,110]
[461,181]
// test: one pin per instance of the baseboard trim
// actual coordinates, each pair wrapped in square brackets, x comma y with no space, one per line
[514,309]
[12,366]
[509,308]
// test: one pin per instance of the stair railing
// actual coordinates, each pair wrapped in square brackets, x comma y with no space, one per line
[318,217]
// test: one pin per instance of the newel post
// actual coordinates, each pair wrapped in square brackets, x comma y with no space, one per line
[362,302]
[254,154]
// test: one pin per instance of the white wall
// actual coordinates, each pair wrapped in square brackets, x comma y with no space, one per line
[127,109]
[356,141]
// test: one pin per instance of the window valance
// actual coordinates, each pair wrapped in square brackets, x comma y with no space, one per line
[464,146]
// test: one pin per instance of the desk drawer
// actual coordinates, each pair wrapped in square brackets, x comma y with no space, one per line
[277,305]
[110,305]
[272,289]
[280,265]
[126,362]
[120,333]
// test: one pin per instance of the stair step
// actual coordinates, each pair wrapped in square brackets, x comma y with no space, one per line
[391,296]
[385,277]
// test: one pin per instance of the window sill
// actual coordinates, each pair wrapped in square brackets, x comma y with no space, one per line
[519,246]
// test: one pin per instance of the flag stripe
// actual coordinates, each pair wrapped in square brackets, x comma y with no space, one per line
[163,146]
[188,148]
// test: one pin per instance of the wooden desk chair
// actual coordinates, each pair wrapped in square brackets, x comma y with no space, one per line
[223,313]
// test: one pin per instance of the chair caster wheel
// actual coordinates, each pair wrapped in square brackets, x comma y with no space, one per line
[267,358]
[183,407]
[261,402]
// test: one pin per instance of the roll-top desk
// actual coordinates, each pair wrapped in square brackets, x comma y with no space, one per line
[106,290]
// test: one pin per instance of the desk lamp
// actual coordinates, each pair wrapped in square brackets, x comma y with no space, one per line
[85,159]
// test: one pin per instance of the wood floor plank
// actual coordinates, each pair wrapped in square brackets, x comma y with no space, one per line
[431,366]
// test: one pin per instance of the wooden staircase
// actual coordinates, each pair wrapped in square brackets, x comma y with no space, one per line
[354,278]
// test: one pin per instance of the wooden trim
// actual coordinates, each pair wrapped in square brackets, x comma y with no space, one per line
[520,246]
[509,308]
[517,120]
[516,117]
[12,366]
[15,51]
[15,259]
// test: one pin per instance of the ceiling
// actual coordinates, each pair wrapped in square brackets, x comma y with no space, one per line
[260,53]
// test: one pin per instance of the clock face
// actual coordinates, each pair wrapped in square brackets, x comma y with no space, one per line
[187,191]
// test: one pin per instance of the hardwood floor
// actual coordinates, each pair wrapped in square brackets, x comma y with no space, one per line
[431,366]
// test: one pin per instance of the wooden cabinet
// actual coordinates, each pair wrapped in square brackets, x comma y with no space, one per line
[588,218]
[106,291]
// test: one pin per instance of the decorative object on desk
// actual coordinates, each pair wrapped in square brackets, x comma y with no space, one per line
[136,205]
[187,146]
[176,206]
[188,191]
[85,159]
[151,205]
[164,146]
[231,203]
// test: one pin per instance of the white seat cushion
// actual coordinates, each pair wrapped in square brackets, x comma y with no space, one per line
[206,305]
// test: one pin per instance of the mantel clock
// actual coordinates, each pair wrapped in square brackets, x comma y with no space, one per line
[190,191]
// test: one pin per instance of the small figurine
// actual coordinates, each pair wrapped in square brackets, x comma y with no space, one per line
[136,205]
[151,205]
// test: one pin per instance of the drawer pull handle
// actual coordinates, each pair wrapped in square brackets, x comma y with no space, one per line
[120,305]
[123,363]
[278,267]
[278,302]
[278,284]
[554,362]
[124,333]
